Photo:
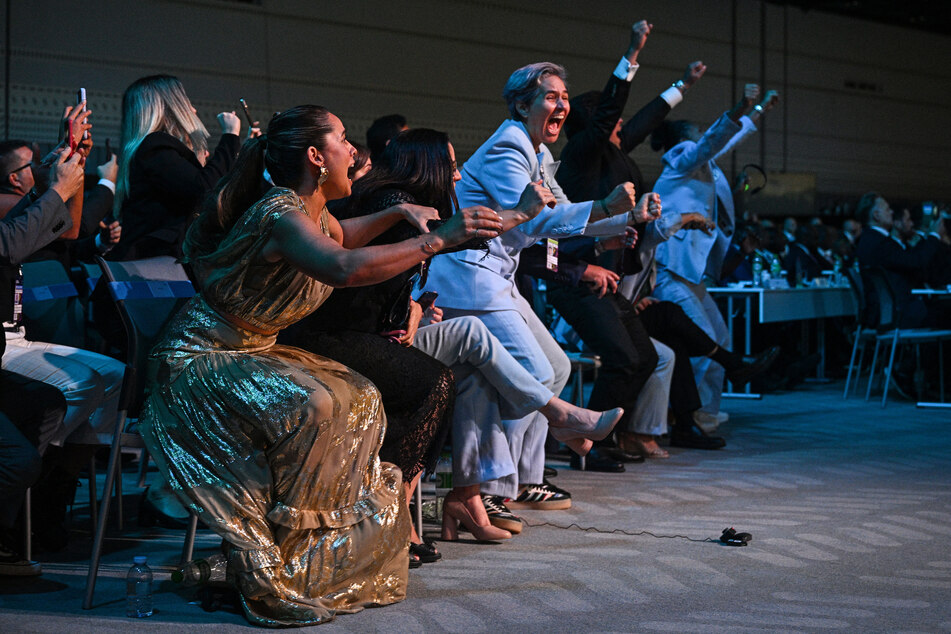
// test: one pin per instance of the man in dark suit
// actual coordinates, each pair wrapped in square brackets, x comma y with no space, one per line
[903,265]
[21,175]
[30,412]
[594,161]
[938,274]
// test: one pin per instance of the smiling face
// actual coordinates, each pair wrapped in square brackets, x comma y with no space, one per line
[337,156]
[545,115]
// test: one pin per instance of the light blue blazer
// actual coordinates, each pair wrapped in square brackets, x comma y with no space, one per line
[692,182]
[495,176]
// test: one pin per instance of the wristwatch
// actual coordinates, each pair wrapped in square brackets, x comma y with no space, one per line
[680,85]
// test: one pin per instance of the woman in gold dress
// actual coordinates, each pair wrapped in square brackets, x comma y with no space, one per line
[275,448]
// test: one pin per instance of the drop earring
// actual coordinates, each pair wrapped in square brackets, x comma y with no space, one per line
[324,175]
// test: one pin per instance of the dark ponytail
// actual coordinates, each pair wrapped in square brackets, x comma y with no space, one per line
[281,150]
[668,134]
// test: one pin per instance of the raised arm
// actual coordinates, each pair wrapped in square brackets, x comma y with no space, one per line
[297,239]
[359,230]
[688,155]
[639,126]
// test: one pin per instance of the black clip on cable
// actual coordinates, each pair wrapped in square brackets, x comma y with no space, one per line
[731,538]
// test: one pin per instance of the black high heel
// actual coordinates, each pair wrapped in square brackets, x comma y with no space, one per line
[426,553]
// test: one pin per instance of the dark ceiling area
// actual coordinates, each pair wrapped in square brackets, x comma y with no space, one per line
[923,15]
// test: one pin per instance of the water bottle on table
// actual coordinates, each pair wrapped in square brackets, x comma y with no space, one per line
[757,271]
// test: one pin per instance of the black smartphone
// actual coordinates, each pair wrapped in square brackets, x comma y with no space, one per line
[247,113]
[426,299]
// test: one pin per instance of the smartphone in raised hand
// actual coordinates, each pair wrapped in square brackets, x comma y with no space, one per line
[247,113]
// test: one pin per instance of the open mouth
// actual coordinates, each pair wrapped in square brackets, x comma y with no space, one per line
[555,121]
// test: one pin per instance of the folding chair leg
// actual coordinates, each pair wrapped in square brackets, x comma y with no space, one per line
[93,497]
[858,373]
[120,518]
[579,400]
[871,375]
[143,468]
[888,372]
[189,548]
[418,495]
[111,472]
[941,370]
[848,377]
[27,526]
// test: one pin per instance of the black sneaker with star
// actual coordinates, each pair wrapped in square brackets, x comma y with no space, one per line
[541,497]
[499,514]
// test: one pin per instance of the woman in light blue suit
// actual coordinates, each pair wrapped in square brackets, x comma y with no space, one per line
[482,284]
[692,182]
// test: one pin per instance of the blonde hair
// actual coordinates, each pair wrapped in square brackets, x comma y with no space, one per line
[157,103]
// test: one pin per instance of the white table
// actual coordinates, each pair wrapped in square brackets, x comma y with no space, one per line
[787,304]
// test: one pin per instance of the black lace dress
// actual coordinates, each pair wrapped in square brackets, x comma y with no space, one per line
[418,391]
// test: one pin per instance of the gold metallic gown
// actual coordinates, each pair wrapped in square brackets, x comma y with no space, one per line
[276,448]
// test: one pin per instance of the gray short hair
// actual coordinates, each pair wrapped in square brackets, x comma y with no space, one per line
[522,86]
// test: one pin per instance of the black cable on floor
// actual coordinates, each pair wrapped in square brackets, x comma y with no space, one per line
[595,529]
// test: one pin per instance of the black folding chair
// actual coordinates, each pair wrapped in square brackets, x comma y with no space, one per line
[147,294]
[864,332]
[889,318]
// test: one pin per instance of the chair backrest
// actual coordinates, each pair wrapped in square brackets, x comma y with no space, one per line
[51,310]
[889,312]
[858,293]
[147,294]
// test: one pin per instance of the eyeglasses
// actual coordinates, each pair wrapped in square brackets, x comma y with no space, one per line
[22,167]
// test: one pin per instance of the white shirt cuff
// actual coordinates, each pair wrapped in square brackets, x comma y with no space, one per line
[625,70]
[108,183]
[672,96]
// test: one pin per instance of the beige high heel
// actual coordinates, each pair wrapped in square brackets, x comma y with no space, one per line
[455,512]
[580,446]
[605,425]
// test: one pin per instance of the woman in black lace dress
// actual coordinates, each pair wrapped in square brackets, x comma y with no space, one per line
[371,329]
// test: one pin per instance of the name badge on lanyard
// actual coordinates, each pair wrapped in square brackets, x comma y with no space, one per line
[551,256]
[551,244]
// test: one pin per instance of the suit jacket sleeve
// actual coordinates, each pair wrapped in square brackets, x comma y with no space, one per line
[687,156]
[533,261]
[97,203]
[586,145]
[30,226]
[636,129]
[169,171]
[747,128]
[506,171]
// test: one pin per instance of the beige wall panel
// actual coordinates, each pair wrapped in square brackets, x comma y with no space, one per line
[443,64]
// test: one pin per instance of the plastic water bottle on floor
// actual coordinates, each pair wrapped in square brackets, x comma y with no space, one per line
[200,571]
[138,584]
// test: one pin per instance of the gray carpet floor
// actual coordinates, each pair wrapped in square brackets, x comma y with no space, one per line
[849,505]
